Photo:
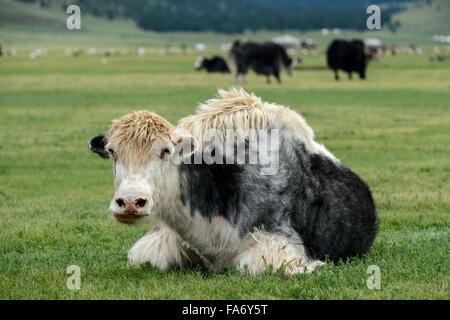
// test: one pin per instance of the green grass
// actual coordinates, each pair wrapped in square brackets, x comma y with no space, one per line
[392,129]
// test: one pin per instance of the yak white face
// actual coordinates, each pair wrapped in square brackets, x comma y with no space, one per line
[139,185]
[199,63]
[143,173]
[290,69]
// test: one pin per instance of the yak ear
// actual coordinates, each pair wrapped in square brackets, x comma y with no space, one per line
[185,145]
[97,145]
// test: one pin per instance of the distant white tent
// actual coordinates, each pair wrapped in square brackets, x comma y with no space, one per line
[141,51]
[200,47]
[287,41]
[325,32]
[372,43]
[225,47]
[441,38]
[335,31]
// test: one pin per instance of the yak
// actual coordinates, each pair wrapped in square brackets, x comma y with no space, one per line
[264,58]
[349,56]
[210,207]
[214,64]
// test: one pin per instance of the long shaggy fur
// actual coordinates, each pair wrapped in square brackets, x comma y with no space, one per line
[136,133]
[238,110]
[162,247]
[263,249]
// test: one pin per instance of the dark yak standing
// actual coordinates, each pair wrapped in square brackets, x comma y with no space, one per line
[215,64]
[266,59]
[349,56]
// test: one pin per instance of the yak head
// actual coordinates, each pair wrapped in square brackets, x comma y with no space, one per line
[143,148]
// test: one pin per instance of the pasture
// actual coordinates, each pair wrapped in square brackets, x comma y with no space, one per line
[393,129]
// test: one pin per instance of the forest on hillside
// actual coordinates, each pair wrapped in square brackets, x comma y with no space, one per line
[235,16]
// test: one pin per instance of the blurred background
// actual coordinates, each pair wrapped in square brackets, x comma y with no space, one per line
[159,23]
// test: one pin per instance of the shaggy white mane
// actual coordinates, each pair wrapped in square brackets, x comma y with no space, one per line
[241,111]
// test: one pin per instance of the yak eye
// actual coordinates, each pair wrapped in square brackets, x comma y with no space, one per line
[111,151]
[164,152]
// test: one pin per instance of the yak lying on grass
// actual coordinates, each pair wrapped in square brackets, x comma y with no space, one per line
[214,64]
[221,213]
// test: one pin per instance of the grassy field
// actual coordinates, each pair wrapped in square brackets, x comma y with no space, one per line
[392,129]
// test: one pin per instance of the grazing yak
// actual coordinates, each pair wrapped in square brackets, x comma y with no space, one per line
[215,64]
[228,213]
[267,59]
[349,56]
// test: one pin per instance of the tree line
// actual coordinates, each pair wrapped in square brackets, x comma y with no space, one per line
[236,16]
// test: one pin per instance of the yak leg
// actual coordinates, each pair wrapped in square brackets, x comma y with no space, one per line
[336,74]
[276,73]
[268,79]
[162,247]
[261,249]
[236,78]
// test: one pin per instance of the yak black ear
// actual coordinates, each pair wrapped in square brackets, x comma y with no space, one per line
[97,145]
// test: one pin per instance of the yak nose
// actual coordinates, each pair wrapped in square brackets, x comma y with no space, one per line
[131,206]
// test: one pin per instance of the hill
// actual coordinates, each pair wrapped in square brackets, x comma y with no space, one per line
[425,17]
[29,25]
[234,16]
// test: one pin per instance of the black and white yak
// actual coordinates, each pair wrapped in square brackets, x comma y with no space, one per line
[221,213]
